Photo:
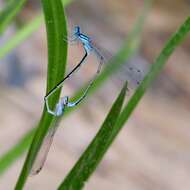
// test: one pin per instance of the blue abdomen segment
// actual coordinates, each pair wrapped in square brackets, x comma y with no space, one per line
[86,41]
[88,47]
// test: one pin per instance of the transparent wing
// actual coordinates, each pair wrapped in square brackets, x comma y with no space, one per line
[45,147]
[133,70]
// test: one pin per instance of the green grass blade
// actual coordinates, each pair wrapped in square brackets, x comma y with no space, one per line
[97,148]
[20,36]
[11,9]
[57,54]
[24,33]
[129,48]
[15,152]
[159,63]
[82,170]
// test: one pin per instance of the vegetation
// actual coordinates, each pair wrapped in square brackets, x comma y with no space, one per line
[119,113]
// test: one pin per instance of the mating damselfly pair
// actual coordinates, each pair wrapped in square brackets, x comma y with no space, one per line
[64,102]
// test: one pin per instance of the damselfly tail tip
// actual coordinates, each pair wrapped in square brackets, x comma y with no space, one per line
[35,172]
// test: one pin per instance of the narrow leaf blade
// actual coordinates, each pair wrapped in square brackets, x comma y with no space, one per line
[94,153]
[11,9]
[96,150]
[57,55]
[157,66]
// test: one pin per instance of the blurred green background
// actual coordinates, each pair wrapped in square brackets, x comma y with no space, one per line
[152,152]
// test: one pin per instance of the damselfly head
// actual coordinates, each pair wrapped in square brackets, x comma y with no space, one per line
[64,101]
[77,30]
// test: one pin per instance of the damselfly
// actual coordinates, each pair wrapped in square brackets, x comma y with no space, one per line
[64,101]
[88,48]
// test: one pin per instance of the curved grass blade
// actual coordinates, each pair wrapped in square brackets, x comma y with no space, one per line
[129,48]
[15,152]
[57,54]
[96,150]
[24,33]
[11,9]
[20,36]
[157,66]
